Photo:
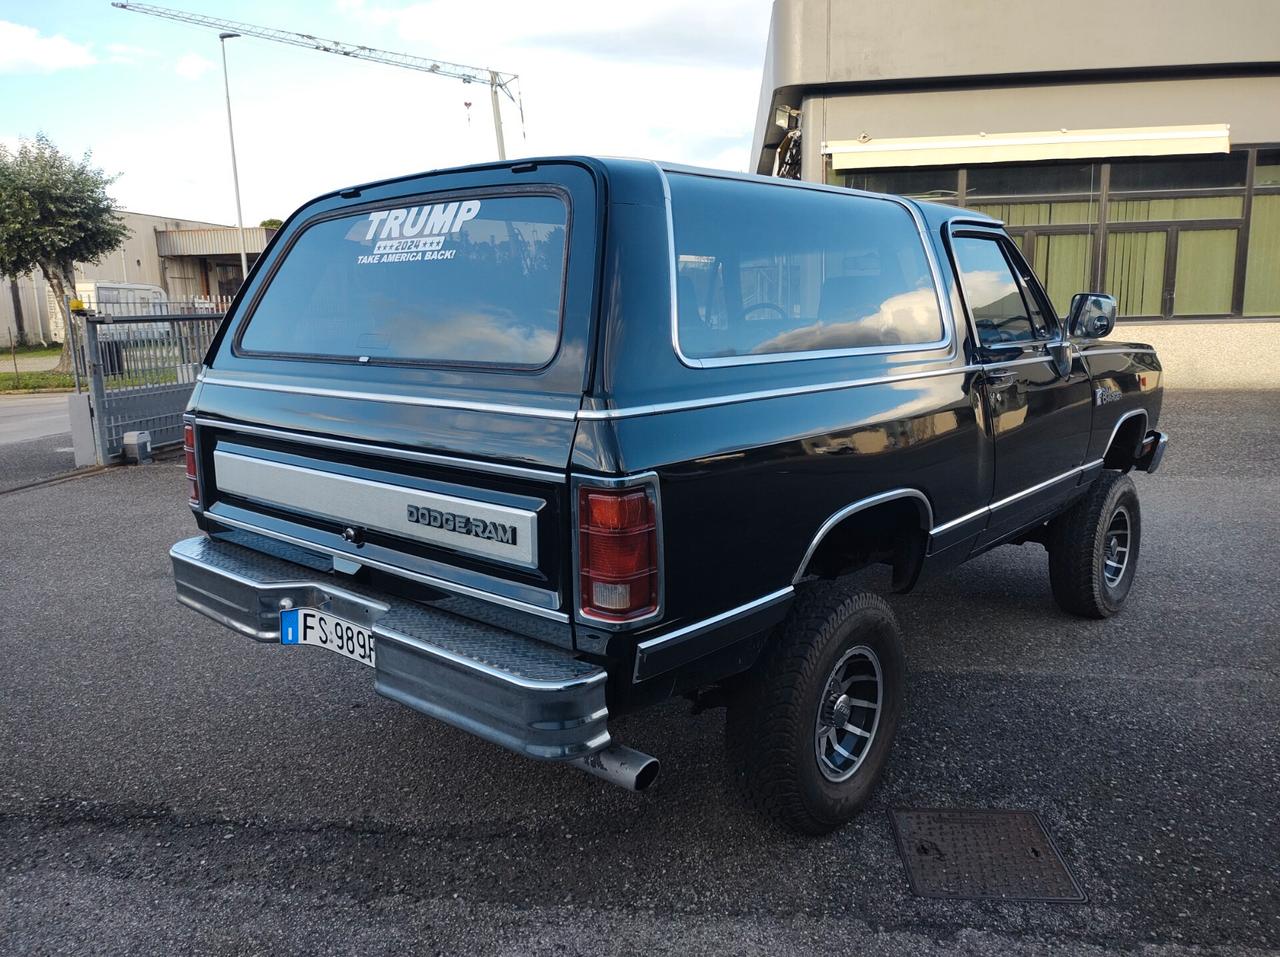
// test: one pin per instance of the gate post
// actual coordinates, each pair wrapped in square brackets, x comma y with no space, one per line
[97,389]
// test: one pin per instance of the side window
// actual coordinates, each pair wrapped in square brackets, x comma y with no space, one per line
[767,270]
[1042,312]
[992,291]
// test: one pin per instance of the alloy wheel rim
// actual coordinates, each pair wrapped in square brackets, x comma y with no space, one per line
[1116,547]
[849,713]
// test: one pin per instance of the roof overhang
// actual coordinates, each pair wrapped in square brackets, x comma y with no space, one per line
[1024,147]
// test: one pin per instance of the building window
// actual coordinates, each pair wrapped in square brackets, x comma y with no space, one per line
[1164,237]
[939,184]
[1262,268]
[1034,179]
[1152,174]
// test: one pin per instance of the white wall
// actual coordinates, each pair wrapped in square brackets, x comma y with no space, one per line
[1212,355]
[35,312]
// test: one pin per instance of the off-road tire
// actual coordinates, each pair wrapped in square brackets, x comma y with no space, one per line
[1078,548]
[771,729]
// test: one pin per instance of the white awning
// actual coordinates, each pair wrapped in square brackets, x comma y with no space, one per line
[1020,147]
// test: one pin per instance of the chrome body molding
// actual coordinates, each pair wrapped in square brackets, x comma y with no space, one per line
[935,270]
[915,495]
[706,624]
[385,451]
[658,408]
[1015,497]
[698,629]
[434,402]
[440,583]
[1119,422]
[1116,352]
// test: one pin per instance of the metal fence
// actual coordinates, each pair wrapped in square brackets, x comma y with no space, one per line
[138,363]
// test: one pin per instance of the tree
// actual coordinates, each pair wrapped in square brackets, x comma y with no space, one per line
[272,223]
[54,213]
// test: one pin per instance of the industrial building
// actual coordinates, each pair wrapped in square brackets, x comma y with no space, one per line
[188,259]
[1131,148]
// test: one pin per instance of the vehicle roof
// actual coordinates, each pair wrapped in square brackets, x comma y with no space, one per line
[936,214]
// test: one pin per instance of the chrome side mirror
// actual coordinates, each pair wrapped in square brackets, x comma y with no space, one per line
[1092,315]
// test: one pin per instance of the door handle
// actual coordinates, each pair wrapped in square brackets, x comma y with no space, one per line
[1000,378]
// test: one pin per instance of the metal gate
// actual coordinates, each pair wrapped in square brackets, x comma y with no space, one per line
[139,369]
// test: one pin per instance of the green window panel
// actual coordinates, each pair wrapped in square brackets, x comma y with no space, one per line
[1135,272]
[1062,263]
[1041,214]
[1187,207]
[1205,270]
[1262,272]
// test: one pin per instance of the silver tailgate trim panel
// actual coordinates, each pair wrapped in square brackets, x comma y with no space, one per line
[382,506]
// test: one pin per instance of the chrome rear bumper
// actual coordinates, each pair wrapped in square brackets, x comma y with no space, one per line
[528,696]
[1152,452]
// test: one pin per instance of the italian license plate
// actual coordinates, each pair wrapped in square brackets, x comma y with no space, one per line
[308,626]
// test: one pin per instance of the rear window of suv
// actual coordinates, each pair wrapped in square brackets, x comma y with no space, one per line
[475,280]
[773,271]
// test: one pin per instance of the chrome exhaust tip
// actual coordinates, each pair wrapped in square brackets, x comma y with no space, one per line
[623,766]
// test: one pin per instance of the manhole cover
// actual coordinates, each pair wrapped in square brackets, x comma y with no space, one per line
[976,855]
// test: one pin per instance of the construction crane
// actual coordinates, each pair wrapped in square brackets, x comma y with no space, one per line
[498,82]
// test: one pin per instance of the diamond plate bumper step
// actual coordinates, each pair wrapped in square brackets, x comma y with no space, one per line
[523,694]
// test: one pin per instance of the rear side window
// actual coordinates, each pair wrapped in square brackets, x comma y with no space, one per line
[474,281]
[764,270]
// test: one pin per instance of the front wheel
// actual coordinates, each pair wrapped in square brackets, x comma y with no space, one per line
[1093,548]
[809,727]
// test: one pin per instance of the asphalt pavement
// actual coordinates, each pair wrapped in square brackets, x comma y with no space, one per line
[166,786]
[35,438]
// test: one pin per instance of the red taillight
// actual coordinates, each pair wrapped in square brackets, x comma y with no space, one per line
[189,450]
[617,553]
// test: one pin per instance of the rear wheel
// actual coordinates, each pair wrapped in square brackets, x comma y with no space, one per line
[1093,548]
[809,728]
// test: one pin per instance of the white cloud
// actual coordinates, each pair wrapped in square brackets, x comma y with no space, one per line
[127,54]
[192,66]
[24,50]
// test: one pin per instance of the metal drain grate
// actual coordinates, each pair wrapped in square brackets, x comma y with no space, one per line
[981,855]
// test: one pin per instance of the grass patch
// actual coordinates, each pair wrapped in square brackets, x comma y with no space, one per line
[38,352]
[22,381]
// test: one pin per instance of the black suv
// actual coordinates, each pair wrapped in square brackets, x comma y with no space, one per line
[545,442]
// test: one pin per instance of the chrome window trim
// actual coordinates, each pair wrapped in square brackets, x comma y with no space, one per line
[440,583]
[864,503]
[947,341]
[711,401]
[707,624]
[1009,363]
[407,455]
[1015,497]
[649,480]
[463,405]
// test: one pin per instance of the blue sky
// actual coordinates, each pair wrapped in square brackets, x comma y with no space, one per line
[665,79]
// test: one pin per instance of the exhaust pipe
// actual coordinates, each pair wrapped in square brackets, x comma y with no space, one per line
[620,765]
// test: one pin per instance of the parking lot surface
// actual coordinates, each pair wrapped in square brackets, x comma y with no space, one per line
[35,438]
[170,787]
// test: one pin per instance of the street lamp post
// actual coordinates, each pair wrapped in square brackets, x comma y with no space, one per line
[235,173]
